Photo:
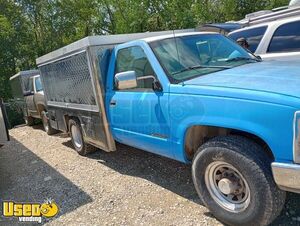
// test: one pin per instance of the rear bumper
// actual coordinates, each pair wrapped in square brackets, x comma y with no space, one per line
[287,176]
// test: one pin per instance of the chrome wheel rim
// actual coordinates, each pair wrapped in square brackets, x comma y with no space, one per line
[76,135]
[227,186]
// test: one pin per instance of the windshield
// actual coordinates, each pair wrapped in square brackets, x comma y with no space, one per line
[187,57]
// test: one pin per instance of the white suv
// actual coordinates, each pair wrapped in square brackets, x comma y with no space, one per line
[279,39]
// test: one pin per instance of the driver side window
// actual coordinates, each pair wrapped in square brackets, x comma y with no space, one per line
[135,59]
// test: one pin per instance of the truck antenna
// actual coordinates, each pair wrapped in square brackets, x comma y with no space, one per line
[176,46]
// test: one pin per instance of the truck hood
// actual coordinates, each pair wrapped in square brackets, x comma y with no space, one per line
[271,76]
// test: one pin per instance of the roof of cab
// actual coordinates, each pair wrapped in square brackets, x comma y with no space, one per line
[161,37]
[25,73]
[268,24]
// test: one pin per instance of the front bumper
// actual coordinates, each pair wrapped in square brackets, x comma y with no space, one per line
[287,176]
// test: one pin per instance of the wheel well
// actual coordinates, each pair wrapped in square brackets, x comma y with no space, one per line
[198,135]
[67,119]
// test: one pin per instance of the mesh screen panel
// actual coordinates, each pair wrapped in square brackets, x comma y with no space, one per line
[68,80]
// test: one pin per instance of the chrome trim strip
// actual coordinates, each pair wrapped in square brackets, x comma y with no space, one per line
[99,95]
[287,176]
[93,80]
[162,136]
[82,107]
[296,153]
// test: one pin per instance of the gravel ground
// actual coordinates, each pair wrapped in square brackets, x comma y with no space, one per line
[127,187]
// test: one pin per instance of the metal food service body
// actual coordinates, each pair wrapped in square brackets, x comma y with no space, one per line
[74,80]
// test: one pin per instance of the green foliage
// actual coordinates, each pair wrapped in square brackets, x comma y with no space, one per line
[16,48]
[31,28]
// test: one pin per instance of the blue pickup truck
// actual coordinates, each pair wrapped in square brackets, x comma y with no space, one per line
[195,97]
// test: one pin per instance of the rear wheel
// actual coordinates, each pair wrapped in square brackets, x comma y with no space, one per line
[29,121]
[46,124]
[233,177]
[80,146]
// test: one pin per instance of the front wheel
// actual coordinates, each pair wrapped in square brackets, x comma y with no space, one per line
[233,177]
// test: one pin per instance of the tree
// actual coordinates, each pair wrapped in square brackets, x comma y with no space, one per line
[16,44]
[31,28]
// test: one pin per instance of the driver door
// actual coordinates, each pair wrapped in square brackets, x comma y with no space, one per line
[139,116]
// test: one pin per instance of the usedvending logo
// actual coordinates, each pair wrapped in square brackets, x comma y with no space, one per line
[30,212]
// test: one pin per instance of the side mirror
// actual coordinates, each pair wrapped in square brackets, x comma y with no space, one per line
[126,80]
[27,93]
[156,86]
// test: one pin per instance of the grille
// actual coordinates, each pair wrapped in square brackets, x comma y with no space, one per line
[68,80]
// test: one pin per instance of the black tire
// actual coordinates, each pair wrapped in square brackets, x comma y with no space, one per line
[46,124]
[266,200]
[84,148]
[29,121]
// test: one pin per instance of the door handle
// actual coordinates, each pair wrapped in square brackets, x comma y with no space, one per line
[113,103]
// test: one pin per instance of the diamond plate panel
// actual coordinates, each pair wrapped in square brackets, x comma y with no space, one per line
[68,80]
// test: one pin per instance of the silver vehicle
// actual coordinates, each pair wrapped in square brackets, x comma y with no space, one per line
[272,34]
[29,95]
[4,136]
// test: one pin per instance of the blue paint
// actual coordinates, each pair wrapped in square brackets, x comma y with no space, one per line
[258,98]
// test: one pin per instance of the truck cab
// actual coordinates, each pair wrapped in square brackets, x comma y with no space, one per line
[29,95]
[34,97]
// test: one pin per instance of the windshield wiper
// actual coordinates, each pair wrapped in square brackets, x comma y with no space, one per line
[240,59]
[199,67]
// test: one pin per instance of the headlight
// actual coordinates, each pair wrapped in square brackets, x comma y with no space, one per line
[296,140]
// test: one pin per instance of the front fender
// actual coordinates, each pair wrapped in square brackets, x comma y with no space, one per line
[273,123]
